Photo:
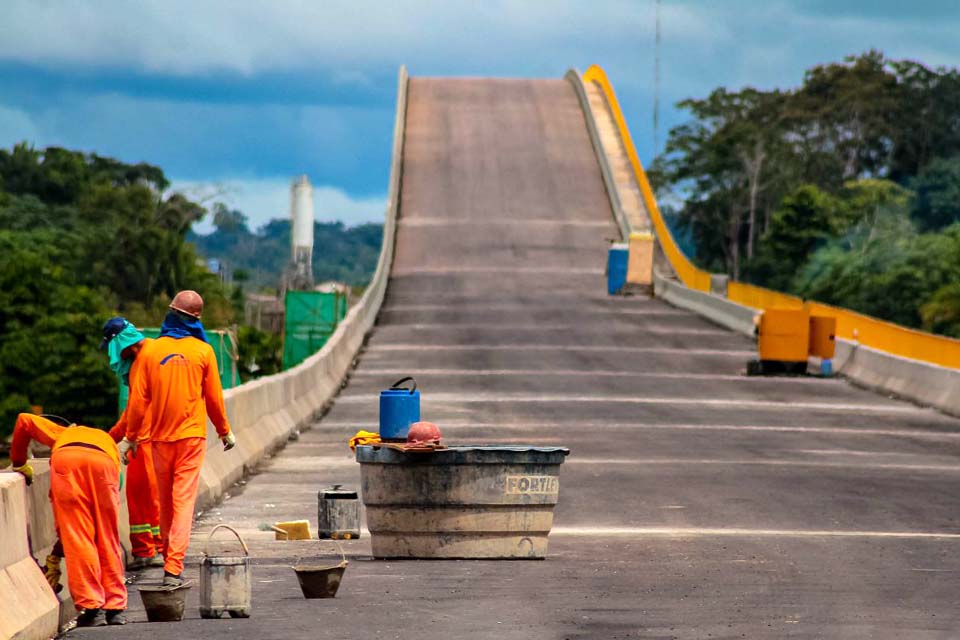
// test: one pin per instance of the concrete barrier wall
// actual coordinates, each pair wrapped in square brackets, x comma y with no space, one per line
[263,414]
[28,607]
[713,307]
[266,411]
[921,382]
[606,170]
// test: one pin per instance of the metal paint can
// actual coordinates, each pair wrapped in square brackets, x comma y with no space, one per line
[338,513]
[225,581]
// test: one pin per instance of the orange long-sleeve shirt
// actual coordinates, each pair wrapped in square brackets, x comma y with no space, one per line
[179,383]
[30,427]
[119,430]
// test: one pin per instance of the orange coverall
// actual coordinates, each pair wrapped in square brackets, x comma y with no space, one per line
[142,502]
[179,384]
[85,491]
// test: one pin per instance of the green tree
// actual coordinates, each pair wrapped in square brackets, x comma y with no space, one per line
[927,121]
[941,314]
[891,275]
[726,161]
[83,238]
[261,353]
[229,221]
[804,221]
[50,329]
[937,203]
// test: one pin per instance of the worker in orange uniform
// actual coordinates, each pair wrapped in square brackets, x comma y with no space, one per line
[179,384]
[123,343]
[85,490]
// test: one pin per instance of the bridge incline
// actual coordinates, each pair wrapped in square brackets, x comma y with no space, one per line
[696,502]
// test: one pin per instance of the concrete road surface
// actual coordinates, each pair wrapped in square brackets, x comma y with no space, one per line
[695,503]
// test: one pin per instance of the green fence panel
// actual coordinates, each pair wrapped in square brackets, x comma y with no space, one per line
[224,345]
[311,318]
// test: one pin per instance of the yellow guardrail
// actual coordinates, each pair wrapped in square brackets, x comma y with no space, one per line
[891,338]
[871,332]
[688,273]
[759,298]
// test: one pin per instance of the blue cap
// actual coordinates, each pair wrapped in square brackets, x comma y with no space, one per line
[111,329]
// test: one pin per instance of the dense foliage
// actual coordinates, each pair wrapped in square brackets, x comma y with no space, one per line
[344,254]
[845,189]
[83,238]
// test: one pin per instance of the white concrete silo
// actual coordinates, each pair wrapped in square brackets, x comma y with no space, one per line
[301,232]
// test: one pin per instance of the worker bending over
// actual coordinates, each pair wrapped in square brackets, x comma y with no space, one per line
[179,384]
[123,344]
[85,491]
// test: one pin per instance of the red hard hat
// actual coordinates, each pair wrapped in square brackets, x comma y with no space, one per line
[188,302]
[423,433]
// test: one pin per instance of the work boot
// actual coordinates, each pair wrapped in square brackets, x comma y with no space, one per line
[140,562]
[155,561]
[170,580]
[115,616]
[91,618]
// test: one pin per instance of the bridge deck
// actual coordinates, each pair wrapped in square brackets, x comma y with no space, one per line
[696,502]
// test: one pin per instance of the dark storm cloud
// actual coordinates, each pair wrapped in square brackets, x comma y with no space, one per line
[257,92]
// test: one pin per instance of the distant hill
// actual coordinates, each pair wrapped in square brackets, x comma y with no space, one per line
[346,254]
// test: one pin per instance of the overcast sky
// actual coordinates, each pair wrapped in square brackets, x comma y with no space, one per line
[246,95]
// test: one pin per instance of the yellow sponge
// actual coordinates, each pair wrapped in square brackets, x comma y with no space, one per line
[293,530]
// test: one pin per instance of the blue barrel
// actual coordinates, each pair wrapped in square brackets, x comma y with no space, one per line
[617,268]
[399,408]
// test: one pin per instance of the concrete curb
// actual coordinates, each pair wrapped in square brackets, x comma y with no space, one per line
[30,609]
[723,312]
[920,382]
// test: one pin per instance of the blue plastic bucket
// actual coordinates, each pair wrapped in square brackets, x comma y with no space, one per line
[617,268]
[399,408]
[826,367]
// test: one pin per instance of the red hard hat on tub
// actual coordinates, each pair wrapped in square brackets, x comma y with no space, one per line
[423,433]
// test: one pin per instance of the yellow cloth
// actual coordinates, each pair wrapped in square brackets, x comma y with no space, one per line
[52,572]
[364,437]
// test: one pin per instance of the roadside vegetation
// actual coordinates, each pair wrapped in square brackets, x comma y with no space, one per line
[340,253]
[84,237]
[845,189]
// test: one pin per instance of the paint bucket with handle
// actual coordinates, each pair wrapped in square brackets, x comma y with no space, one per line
[225,580]
[399,408]
[321,579]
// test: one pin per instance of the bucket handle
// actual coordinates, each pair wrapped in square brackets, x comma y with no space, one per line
[396,385]
[343,556]
[243,544]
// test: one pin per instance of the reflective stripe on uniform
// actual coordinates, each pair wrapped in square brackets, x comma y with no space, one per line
[141,528]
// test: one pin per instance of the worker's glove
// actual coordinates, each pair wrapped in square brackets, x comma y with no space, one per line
[229,441]
[51,571]
[128,450]
[26,471]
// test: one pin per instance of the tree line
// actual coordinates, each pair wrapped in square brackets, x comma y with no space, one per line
[83,238]
[340,253]
[845,189]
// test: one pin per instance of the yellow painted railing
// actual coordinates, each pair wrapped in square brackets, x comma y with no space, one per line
[688,273]
[759,298]
[876,334]
[892,338]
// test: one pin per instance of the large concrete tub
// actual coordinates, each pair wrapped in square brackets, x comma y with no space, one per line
[461,502]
